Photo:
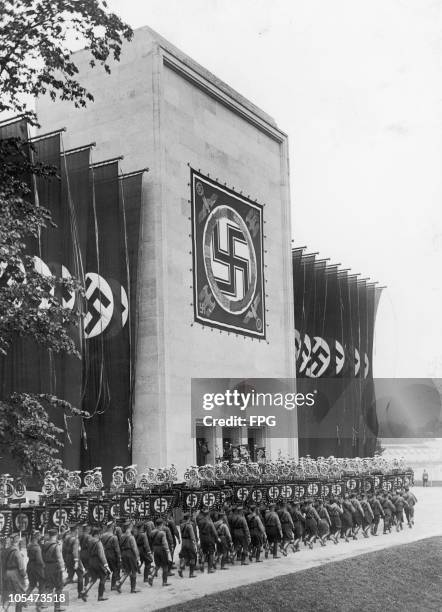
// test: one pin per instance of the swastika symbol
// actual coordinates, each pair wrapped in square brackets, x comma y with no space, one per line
[351,484]
[209,499]
[100,305]
[192,500]
[257,495]
[98,513]
[130,505]
[273,492]
[312,488]
[143,508]
[286,491]
[160,505]
[339,356]
[242,493]
[114,511]
[336,489]
[230,260]
[2,521]
[60,517]
[319,358]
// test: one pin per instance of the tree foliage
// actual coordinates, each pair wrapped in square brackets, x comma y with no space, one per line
[35,60]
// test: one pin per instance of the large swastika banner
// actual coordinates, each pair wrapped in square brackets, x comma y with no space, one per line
[227,259]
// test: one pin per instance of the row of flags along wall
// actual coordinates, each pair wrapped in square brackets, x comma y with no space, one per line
[94,208]
[335,313]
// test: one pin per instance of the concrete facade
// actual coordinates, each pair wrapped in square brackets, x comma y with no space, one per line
[160,109]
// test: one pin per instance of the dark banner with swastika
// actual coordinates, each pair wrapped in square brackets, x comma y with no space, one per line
[106,372]
[228,269]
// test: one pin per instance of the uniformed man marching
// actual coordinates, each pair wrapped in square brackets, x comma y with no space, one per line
[188,550]
[240,534]
[54,566]
[84,540]
[144,550]
[36,567]
[130,557]
[208,539]
[273,529]
[257,534]
[161,551]
[71,557]
[98,566]
[15,571]
[411,500]
[378,512]
[112,552]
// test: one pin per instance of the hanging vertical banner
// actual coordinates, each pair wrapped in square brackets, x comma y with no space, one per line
[76,204]
[228,269]
[131,197]
[106,373]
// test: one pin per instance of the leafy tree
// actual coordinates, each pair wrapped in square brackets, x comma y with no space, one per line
[34,48]
[35,60]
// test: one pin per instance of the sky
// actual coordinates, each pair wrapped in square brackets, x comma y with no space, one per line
[357,86]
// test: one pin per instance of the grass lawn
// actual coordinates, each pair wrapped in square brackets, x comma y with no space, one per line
[405,578]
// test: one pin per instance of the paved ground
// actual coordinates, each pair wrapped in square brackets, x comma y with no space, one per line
[428,523]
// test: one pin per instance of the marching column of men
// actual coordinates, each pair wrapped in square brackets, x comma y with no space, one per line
[91,555]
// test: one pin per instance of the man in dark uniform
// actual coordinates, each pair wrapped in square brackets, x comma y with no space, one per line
[175,533]
[240,534]
[54,566]
[36,567]
[188,550]
[144,550]
[298,524]
[378,512]
[273,529]
[368,515]
[15,571]
[286,526]
[161,551]
[335,512]
[169,537]
[130,557]
[98,566]
[399,504]
[71,557]
[411,500]
[257,533]
[84,540]
[208,538]
[389,510]
[112,551]
[225,539]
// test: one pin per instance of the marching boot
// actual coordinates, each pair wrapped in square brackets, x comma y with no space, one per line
[275,551]
[223,562]
[181,568]
[133,584]
[101,596]
[210,569]
[191,572]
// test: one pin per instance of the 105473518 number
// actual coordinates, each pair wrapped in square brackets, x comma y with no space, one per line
[62,598]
